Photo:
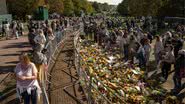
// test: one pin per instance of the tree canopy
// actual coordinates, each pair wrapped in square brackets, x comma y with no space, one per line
[63,7]
[151,7]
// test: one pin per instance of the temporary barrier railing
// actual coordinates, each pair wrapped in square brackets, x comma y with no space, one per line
[52,47]
[88,82]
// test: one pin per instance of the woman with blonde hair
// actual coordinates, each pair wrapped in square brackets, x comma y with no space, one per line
[27,85]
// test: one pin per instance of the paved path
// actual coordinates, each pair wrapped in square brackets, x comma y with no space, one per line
[60,79]
[10,50]
[9,53]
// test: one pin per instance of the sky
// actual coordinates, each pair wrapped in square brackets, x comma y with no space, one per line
[114,2]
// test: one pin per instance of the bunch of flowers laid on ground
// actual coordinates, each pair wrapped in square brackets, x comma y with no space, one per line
[116,81]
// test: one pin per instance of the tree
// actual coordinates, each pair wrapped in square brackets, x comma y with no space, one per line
[123,7]
[89,8]
[172,8]
[56,6]
[96,7]
[21,8]
[159,8]
[68,8]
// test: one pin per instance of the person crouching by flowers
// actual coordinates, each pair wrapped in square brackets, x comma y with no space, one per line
[27,85]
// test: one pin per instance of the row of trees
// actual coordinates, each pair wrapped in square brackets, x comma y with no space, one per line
[21,8]
[158,8]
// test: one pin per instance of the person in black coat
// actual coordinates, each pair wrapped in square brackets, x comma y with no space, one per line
[179,66]
[178,44]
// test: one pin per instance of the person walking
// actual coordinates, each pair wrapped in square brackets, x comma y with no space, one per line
[27,85]
[15,30]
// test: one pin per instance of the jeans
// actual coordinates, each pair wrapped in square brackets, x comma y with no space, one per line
[165,69]
[126,52]
[142,61]
[17,34]
[27,98]
[177,80]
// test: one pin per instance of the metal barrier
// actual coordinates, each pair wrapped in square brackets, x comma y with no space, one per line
[86,81]
[53,47]
[90,83]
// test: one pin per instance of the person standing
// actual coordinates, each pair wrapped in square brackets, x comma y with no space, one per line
[31,36]
[140,55]
[125,43]
[132,47]
[27,85]
[168,60]
[7,29]
[119,41]
[40,40]
[158,48]
[178,44]
[179,69]
[147,48]
[15,30]
[21,28]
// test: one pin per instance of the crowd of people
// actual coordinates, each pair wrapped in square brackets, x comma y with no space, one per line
[138,42]
[135,42]
[12,29]
[31,68]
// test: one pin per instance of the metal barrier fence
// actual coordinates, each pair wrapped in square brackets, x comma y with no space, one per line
[53,47]
[88,83]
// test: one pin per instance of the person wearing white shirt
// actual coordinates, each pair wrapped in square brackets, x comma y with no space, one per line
[40,40]
[27,85]
[147,48]
[7,29]
[158,47]
[119,42]
[125,43]
[168,60]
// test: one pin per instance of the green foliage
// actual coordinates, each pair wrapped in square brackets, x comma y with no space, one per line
[64,7]
[123,7]
[56,6]
[96,7]
[151,7]
[68,8]
[21,8]
[99,7]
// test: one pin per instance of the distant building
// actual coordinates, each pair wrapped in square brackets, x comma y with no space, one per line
[3,7]
[4,12]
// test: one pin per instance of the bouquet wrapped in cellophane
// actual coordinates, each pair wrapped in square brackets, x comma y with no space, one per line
[114,81]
